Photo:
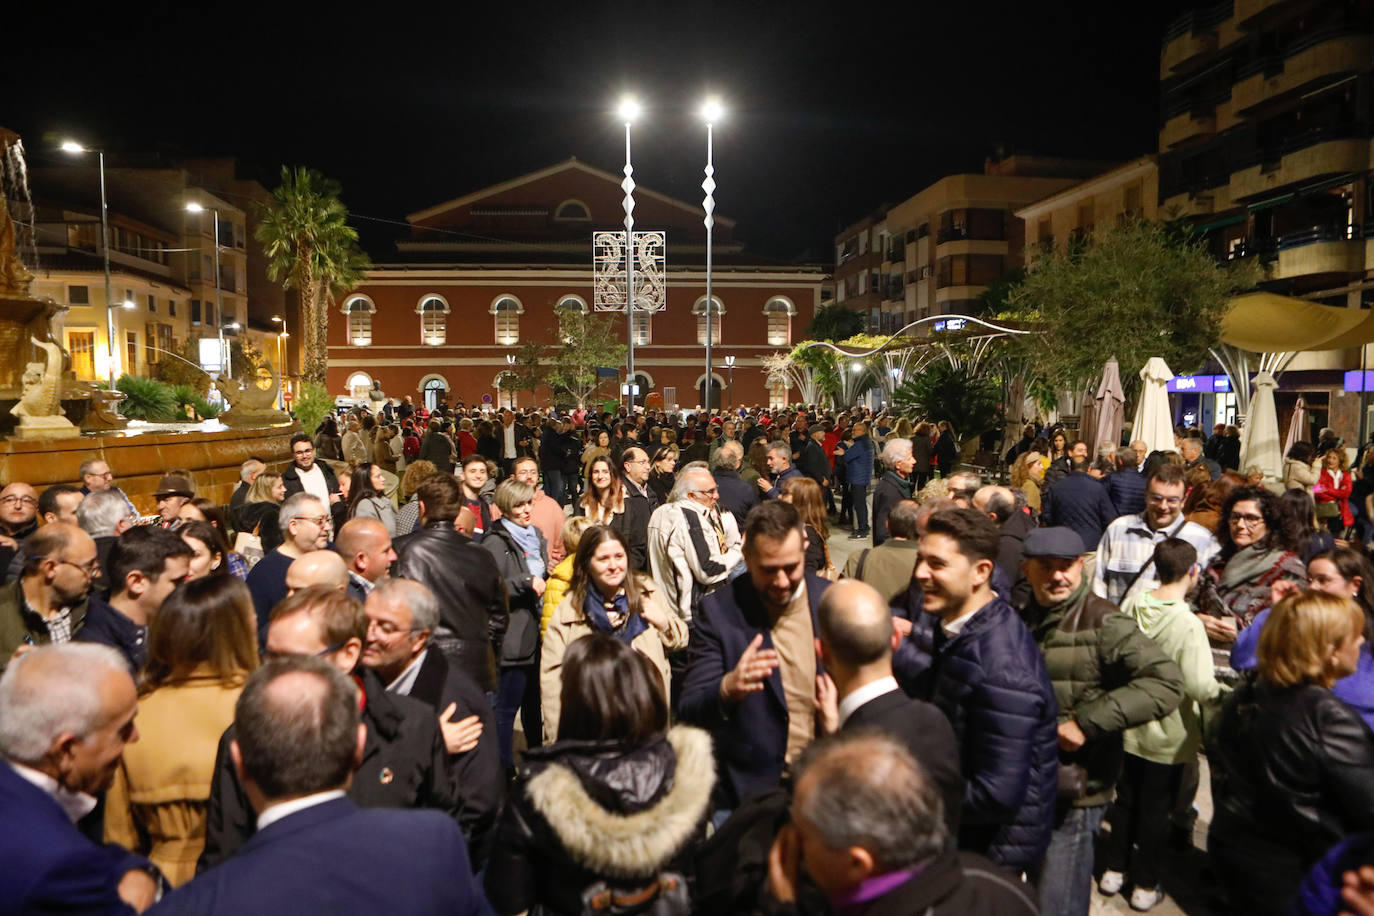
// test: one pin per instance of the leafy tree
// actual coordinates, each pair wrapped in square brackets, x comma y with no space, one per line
[314,404]
[305,235]
[530,371]
[588,341]
[944,391]
[835,322]
[1137,291]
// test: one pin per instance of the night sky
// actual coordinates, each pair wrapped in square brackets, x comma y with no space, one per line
[835,108]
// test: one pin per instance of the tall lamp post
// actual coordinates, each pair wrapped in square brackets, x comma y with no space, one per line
[629,110]
[219,310]
[71,146]
[510,377]
[730,365]
[281,371]
[710,112]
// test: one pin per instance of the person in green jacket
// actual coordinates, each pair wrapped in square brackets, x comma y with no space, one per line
[1107,677]
[1157,752]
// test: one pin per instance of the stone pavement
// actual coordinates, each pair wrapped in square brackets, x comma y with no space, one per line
[1188,890]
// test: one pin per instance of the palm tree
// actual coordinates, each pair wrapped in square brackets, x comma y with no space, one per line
[305,234]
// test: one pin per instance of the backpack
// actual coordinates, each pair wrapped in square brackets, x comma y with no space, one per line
[411,447]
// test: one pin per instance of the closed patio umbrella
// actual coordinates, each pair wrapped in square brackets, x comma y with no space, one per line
[1260,443]
[1111,406]
[1154,424]
[1297,427]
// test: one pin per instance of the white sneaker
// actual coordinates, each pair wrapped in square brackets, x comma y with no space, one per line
[1143,898]
[1111,882]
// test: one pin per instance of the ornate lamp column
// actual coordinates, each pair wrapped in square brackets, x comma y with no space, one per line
[629,110]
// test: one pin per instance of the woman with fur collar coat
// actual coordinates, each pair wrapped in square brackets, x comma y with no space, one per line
[616,804]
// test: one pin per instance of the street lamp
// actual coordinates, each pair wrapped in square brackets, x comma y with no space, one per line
[194,207]
[629,110]
[281,372]
[711,111]
[510,372]
[74,148]
[730,365]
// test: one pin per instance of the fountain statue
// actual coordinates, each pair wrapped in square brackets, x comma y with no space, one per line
[25,323]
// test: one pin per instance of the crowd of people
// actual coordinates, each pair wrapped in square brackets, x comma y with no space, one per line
[594,663]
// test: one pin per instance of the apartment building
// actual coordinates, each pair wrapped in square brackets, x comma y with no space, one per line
[1129,191]
[861,267]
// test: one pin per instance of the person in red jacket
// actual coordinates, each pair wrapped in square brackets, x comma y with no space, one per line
[1333,486]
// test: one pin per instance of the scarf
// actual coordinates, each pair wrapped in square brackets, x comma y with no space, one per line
[1248,564]
[597,610]
[527,539]
[904,484]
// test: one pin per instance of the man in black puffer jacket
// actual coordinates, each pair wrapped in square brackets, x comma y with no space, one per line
[970,654]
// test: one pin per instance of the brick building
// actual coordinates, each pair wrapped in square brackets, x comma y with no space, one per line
[481,275]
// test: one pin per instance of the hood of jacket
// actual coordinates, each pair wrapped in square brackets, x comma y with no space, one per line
[624,813]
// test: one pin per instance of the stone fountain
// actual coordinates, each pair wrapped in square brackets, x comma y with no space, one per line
[26,325]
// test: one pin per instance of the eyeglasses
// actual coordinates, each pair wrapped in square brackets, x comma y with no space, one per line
[1248,521]
[319,521]
[268,654]
[107,475]
[18,500]
[89,567]
[301,453]
[1157,500]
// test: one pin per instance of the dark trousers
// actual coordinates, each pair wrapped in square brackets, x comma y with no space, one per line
[846,505]
[859,496]
[553,484]
[517,691]
[1145,796]
[1259,877]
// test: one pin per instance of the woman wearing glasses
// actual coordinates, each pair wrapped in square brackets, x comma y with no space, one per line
[1259,548]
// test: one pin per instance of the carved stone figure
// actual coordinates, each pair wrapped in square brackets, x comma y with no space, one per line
[38,410]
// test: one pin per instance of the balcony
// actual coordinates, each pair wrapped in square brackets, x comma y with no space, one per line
[1321,55]
[1187,126]
[1320,250]
[1247,10]
[1312,154]
[1191,36]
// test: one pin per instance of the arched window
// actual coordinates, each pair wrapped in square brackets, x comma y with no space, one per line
[507,310]
[777,395]
[359,384]
[433,321]
[717,385]
[779,311]
[431,387]
[568,305]
[359,310]
[717,310]
[572,210]
[645,381]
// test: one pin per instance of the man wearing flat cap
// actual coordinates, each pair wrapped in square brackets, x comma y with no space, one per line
[1108,677]
[173,491]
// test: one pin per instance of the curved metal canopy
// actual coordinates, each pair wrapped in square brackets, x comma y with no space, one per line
[1270,323]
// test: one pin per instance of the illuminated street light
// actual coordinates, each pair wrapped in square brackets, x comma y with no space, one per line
[711,111]
[194,207]
[74,148]
[281,373]
[629,111]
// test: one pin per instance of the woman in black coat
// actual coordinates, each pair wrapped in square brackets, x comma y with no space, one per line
[946,449]
[1292,765]
[618,801]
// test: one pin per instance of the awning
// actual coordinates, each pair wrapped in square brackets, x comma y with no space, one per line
[1221,223]
[1271,202]
[1270,323]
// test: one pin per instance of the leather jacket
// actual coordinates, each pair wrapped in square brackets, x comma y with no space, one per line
[521,643]
[1292,769]
[473,612]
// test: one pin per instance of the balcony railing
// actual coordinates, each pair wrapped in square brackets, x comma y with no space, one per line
[963,234]
[1314,234]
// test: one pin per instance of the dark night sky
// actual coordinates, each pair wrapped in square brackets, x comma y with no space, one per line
[835,107]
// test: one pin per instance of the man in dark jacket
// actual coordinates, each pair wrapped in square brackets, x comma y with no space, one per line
[1126,485]
[1107,677]
[999,504]
[812,460]
[736,496]
[971,655]
[858,467]
[1078,501]
[404,763]
[301,474]
[866,822]
[463,576]
[895,485]
[779,469]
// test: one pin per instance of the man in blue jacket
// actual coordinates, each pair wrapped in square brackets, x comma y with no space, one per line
[297,739]
[752,667]
[1078,501]
[66,713]
[970,655]
[858,466]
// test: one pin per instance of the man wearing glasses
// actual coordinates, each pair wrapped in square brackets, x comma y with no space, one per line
[692,547]
[1123,555]
[18,518]
[306,475]
[47,604]
[305,526]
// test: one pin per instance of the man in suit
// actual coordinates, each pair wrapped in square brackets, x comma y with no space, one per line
[403,762]
[402,615]
[752,667]
[298,739]
[855,640]
[66,713]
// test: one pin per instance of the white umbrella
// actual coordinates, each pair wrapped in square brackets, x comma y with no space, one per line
[1260,443]
[1111,405]
[1154,422]
[1297,427]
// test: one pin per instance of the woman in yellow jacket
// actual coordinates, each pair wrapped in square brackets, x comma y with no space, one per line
[605,597]
[559,579]
[202,645]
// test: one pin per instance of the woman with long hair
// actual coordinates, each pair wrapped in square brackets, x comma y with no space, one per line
[210,549]
[1292,765]
[205,510]
[202,645]
[605,504]
[598,446]
[328,442]
[755,464]
[437,447]
[662,477]
[1332,492]
[408,516]
[606,596]
[616,801]
[258,514]
[1313,538]
[1026,475]
[805,494]
[1203,504]
[1259,547]
[488,443]
[382,454]
[1298,470]
[367,496]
